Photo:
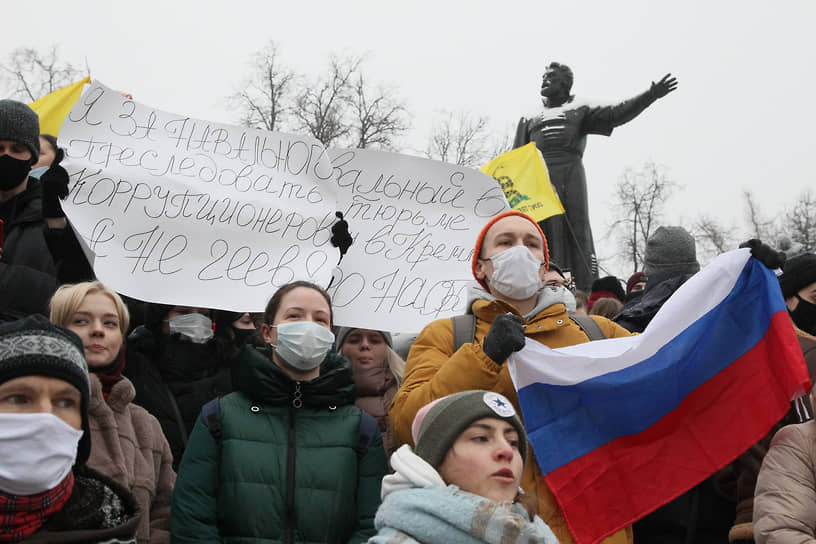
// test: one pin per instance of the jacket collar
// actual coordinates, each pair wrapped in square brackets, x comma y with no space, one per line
[261,379]
[122,393]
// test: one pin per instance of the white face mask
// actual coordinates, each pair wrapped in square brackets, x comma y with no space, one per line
[38,452]
[196,327]
[516,273]
[303,344]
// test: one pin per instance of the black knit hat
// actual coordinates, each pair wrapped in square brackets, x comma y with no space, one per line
[797,273]
[35,346]
[155,314]
[611,284]
[437,425]
[19,123]
[670,251]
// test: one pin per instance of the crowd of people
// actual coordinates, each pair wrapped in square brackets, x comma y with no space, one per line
[126,421]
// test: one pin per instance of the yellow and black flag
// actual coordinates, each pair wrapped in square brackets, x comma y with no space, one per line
[523,176]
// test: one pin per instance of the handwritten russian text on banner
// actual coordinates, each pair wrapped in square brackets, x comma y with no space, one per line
[183,211]
[415,224]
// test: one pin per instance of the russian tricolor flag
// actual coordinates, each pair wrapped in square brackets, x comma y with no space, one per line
[620,427]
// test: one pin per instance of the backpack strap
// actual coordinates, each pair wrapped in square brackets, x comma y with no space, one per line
[365,434]
[589,326]
[211,417]
[464,330]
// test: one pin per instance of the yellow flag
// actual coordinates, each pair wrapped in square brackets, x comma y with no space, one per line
[523,176]
[53,108]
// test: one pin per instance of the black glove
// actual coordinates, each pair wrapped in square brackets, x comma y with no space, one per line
[506,335]
[340,237]
[765,253]
[54,187]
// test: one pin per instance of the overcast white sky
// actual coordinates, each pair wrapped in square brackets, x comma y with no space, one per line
[741,118]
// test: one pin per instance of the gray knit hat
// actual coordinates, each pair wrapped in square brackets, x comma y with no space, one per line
[437,425]
[342,332]
[797,273]
[670,251]
[35,346]
[19,123]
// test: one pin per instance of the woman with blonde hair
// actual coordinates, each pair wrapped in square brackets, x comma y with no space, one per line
[127,442]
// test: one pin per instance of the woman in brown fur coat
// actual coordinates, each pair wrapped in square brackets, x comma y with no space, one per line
[127,442]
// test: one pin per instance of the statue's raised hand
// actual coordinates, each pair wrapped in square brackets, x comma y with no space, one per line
[664,86]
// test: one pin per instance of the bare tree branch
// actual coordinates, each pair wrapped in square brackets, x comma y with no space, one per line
[800,221]
[713,237]
[320,106]
[640,198]
[31,74]
[265,97]
[377,117]
[460,138]
[760,227]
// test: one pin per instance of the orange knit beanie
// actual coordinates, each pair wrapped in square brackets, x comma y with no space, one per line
[489,224]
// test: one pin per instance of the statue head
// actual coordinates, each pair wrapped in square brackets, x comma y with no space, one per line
[556,84]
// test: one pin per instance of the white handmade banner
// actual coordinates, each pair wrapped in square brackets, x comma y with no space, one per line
[414,223]
[183,211]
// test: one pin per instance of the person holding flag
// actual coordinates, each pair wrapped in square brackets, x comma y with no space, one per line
[522,298]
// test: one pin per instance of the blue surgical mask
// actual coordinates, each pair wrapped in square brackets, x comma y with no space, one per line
[37,172]
[303,344]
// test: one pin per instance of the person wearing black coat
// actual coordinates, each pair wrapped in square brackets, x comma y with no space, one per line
[35,255]
[177,366]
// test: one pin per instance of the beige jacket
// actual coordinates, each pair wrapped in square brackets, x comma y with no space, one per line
[127,445]
[785,497]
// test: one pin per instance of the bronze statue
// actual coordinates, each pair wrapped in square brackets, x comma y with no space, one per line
[560,133]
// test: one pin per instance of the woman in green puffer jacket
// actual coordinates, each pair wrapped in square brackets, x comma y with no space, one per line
[285,457]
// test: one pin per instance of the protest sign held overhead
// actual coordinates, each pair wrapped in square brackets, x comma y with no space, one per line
[415,223]
[183,211]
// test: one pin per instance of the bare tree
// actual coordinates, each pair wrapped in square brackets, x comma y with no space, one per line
[759,226]
[31,74]
[339,108]
[800,221]
[266,95]
[377,117]
[713,237]
[460,138]
[320,108]
[640,198]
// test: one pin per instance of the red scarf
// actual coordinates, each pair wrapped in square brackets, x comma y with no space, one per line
[112,373]
[22,515]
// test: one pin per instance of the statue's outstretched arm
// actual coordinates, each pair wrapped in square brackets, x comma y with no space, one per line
[603,120]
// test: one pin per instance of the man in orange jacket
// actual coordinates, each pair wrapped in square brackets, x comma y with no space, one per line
[521,298]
